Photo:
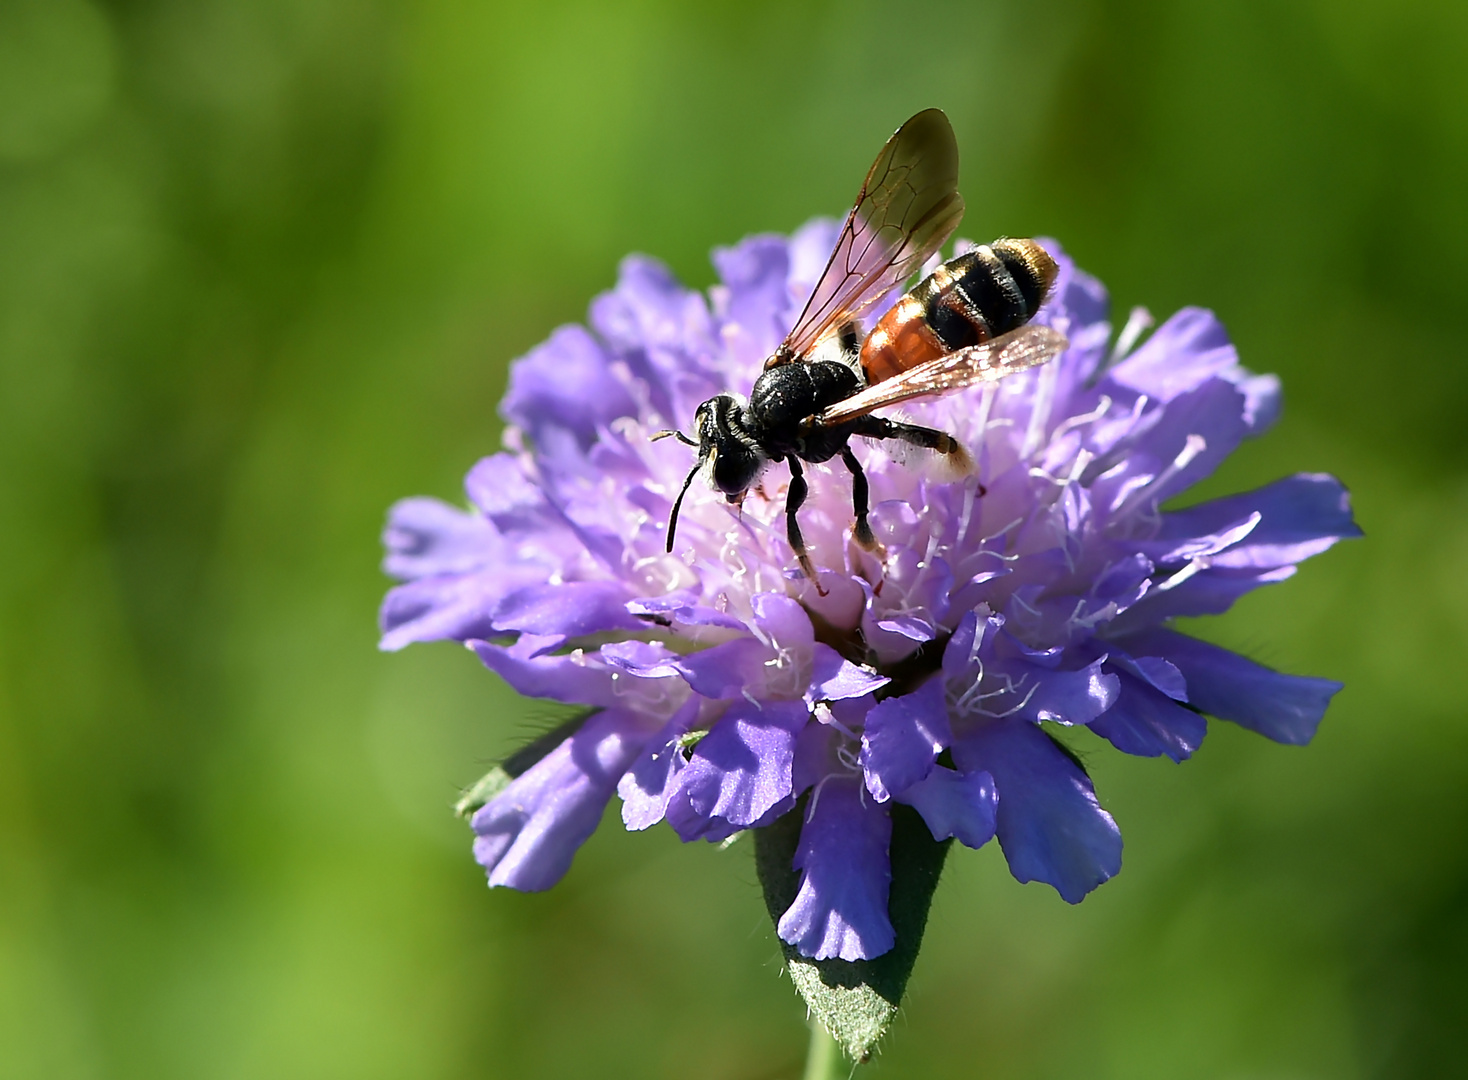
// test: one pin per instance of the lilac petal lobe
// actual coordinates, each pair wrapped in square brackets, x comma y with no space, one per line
[1050,825]
[960,805]
[526,836]
[559,678]
[428,536]
[567,382]
[840,910]
[834,678]
[903,738]
[441,608]
[1285,708]
[650,780]
[1300,516]
[725,671]
[743,766]
[1148,723]
[1189,348]
[570,608]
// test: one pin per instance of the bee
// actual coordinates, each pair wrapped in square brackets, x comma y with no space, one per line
[967,323]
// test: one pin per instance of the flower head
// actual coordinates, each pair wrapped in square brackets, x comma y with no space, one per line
[1002,608]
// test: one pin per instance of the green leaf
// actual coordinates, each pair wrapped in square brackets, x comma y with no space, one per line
[498,778]
[856,1001]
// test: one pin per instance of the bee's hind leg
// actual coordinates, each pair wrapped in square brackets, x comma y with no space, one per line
[954,452]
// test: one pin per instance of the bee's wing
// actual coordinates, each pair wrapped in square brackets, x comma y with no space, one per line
[909,204]
[1015,351]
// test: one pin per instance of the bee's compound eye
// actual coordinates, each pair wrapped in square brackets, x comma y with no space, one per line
[734,468]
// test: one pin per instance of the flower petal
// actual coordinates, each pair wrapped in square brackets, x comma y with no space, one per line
[1285,708]
[1148,723]
[451,606]
[1301,516]
[960,805]
[742,768]
[840,910]
[1050,825]
[526,836]
[904,736]
[560,678]
[835,678]
[1183,353]
[727,670]
[428,536]
[569,609]
[650,780]
[567,382]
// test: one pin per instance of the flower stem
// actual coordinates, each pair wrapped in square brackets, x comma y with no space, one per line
[823,1061]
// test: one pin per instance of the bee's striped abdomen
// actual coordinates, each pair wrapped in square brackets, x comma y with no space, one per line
[986,292]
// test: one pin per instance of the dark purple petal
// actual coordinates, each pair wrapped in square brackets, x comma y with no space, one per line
[726,670]
[526,836]
[1301,516]
[650,780]
[967,642]
[498,486]
[836,679]
[1179,445]
[645,659]
[960,805]
[1263,399]
[570,609]
[1069,697]
[1076,295]
[559,678]
[904,736]
[683,608]
[1172,551]
[756,295]
[453,607]
[742,768]
[1205,592]
[1148,723]
[841,908]
[1183,353]
[1050,825]
[1285,708]
[817,755]
[1154,671]
[568,383]
[426,536]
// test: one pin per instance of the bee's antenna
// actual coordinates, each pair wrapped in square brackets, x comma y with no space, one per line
[678,505]
[670,433]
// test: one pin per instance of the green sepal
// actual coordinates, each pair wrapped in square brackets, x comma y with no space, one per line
[856,1001]
[498,778]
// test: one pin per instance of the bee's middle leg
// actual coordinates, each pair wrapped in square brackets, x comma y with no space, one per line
[794,499]
[860,500]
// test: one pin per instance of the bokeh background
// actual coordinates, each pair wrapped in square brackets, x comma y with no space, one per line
[263,264]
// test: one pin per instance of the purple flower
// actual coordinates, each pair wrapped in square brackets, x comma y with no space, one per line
[1032,597]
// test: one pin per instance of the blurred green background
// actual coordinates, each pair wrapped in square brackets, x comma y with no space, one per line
[262,267]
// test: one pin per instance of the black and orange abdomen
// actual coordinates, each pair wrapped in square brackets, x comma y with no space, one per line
[991,290]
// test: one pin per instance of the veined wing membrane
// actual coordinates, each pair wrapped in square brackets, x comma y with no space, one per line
[909,204]
[993,360]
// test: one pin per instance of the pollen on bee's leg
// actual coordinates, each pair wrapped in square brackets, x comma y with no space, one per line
[862,533]
[955,462]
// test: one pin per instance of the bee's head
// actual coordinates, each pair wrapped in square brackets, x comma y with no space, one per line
[733,455]
[725,444]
